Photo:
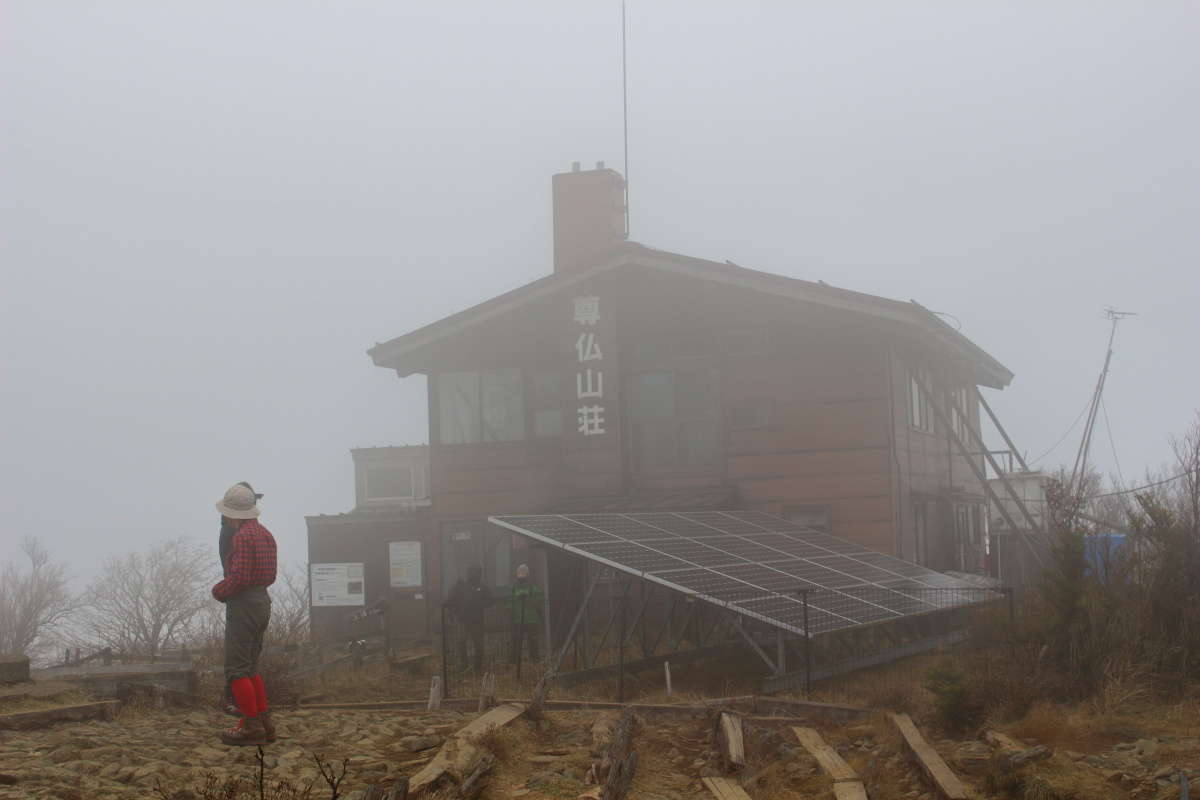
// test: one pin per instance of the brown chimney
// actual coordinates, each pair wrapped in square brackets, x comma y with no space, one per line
[589,216]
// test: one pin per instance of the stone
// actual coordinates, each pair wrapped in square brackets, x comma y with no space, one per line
[972,758]
[414,744]
[1166,771]
[1001,740]
[14,668]
[1146,747]
[1015,759]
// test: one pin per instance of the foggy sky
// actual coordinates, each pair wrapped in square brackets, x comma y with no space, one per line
[210,210]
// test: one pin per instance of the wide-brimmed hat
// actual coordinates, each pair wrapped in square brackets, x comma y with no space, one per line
[239,502]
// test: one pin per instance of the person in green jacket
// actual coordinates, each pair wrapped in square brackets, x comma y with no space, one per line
[525,602]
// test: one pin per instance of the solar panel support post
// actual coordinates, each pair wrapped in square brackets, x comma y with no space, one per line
[621,653]
[780,653]
[666,626]
[612,618]
[807,645]
[445,655]
[755,646]
[579,616]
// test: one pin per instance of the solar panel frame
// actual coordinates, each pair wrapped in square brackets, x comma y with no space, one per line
[752,563]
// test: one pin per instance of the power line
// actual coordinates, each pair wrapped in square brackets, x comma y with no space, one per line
[1183,474]
[1063,438]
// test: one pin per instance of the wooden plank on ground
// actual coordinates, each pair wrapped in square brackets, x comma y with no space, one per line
[825,755]
[459,754]
[849,790]
[24,720]
[944,780]
[729,735]
[725,789]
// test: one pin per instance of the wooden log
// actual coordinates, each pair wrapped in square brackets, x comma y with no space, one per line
[825,755]
[472,785]
[943,778]
[731,741]
[620,778]
[725,789]
[24,720]
[849,790]
[602,731]
[435,694]
[460,753]
[618,749]
[396,790]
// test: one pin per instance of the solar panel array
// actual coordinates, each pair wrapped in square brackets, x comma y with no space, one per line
[753,563]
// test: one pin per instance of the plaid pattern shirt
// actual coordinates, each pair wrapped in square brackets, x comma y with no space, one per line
[252,562]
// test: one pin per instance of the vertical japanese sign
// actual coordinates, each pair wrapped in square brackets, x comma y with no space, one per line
[589,366]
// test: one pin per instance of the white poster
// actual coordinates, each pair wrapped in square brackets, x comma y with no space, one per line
[405,559]
[337,585]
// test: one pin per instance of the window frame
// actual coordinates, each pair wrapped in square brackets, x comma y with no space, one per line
[714,417]
[477,425]
[919,417]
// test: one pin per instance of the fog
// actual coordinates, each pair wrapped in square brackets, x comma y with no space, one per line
[211,210]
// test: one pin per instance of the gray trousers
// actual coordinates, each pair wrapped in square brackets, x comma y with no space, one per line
[246,616]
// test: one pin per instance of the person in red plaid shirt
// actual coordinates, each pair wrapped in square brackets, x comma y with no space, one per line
[249,570]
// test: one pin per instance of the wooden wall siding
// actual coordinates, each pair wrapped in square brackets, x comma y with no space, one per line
[365,541]
[928,464]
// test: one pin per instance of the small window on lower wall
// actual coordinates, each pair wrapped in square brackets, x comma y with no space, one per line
[815,517]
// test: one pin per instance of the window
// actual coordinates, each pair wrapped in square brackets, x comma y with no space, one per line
[390,481]
[547,404]
[960,416]
[815,517]
[676,423]
[919,416]
[483,406]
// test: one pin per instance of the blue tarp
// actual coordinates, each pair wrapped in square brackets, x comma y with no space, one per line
[1100,549]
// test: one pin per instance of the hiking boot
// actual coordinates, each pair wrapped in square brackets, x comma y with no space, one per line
[247,732]
[268,725]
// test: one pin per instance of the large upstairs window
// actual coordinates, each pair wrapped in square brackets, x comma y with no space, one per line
[676,420]
[486,406]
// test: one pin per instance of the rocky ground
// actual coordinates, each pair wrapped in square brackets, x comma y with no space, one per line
[173,754]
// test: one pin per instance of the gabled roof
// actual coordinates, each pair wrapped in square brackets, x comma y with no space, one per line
[393,353]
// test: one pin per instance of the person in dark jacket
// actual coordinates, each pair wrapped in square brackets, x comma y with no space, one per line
[468,601]
[525,603]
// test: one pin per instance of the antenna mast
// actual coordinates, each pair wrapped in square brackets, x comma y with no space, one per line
[625,114]
[1079,471]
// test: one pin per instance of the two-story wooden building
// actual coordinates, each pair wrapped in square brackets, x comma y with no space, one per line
[632,378]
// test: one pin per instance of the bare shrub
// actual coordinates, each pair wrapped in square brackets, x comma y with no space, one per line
[142,602]
[289,606]
[32,601]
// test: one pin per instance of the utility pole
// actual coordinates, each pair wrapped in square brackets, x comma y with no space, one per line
[1079,471]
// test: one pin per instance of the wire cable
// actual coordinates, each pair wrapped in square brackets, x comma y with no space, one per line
[1183,474]
[1063,438]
